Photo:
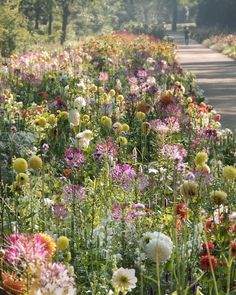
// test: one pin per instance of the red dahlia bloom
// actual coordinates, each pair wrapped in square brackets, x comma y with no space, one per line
[208,245]
[207,261]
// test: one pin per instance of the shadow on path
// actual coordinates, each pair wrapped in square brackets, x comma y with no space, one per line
[216,75]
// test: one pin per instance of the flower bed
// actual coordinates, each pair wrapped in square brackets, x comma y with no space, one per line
[217,40]
[116,177]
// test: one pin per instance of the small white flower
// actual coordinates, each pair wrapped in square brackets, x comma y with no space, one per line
[74,117]
[79,103]
[124,279]
[159,249]
[83,139]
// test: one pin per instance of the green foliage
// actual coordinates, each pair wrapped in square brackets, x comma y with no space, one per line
[13,30]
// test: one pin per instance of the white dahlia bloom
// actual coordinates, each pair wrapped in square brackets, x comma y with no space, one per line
[159,249]
[83,139]
[74,117]
[124,279]
[79,103]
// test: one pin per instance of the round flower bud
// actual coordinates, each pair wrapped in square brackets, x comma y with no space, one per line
[35,162]
[120,98]
[20,165]
[201,158]
[125,127]
[146,127]
[52,120]
[22,178]
[122,140]
[42,122]
[219,197]
[85,118]
[189,189]
[140,116]
[74,117]
[62,243]
[112,92]
[117,127]
[106,121]
[229,172]
[93,88]
[189,99]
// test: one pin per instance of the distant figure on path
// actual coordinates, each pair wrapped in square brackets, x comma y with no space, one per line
[186,35]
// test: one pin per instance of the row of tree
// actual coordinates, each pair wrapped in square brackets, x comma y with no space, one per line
[37,21]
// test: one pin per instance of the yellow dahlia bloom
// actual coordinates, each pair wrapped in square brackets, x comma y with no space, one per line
[22,178]
[201,158]
[229,172]
[20,165]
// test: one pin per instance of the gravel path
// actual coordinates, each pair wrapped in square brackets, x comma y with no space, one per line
[216,75]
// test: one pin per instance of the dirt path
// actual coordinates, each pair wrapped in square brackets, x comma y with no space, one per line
[216,75]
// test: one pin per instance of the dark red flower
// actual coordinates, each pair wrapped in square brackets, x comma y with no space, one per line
[182,210]
[233,248]
[43,94]
[206,262]
[208,246]
[209,225]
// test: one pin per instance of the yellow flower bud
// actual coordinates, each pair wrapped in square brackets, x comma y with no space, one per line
[35,162]
[117,127]
[112,92]
[140,116]
[85,118]
[189,99]
[201,158]
[42,122]
[106,121]
[93,88]
[62,243]
[52,120]
[20,165]
[229,172]
[122,140]
[120,98]
[125,127]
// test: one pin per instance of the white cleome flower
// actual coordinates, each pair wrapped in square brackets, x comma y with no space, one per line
[74,117]
[79,103]
[124,279]
[159,249]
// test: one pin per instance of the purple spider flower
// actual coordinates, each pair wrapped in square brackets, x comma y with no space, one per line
[59,211]
[123,174]
[74,158]
[76,191]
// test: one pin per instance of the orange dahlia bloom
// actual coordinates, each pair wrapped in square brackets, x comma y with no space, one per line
[49,244]
[13,285]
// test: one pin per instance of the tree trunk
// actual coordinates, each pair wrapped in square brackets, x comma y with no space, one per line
[37,14]
[174,17]
[65,15]
[50,17]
